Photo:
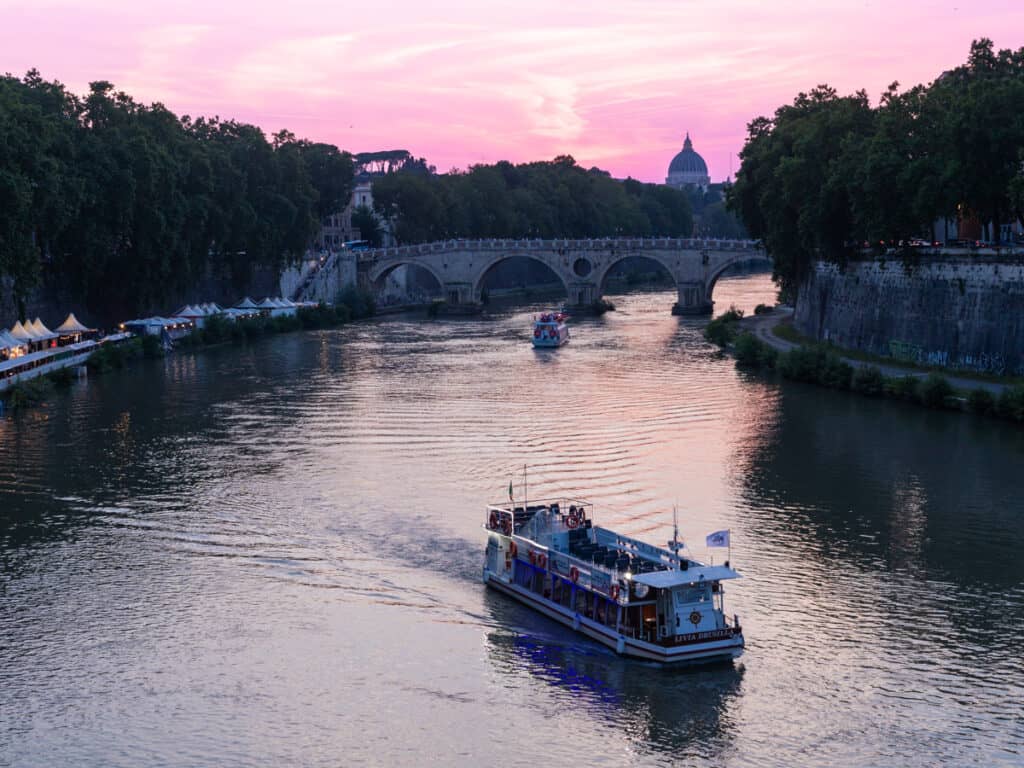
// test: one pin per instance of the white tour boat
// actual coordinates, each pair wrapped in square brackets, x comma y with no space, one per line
[640,600]
[550,330]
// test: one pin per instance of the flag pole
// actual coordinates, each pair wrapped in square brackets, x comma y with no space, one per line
[526,496]
[728,553]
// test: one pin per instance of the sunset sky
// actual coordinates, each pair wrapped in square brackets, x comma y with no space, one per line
[615,84]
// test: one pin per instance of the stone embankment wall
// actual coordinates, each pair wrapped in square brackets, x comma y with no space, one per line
[963,313]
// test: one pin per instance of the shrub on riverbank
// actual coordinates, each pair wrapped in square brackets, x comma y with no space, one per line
[28,393]
[935,390]
[869,381]
[112,357]
[723,329]
[1011,403]
[903,388]
[751,352]
[816,365]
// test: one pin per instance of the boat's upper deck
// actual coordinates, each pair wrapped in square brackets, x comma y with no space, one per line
[566,526]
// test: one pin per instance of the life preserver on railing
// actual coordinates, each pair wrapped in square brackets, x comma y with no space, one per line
[542,561]
[573,521]
[513,549]
[506,527]
[574,574]
[536,333]
[533,557]
[614,592]
[493,520]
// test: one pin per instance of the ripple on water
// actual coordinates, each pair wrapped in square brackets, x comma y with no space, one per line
[271,554]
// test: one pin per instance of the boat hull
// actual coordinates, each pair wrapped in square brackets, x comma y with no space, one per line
[550,343]
[695,653]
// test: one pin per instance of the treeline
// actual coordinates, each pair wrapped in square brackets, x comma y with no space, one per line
[829,173]
[125,206]
[541,199]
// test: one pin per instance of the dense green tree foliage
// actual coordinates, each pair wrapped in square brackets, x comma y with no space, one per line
[125,206]
[541,199]
[829,173]
[364,219]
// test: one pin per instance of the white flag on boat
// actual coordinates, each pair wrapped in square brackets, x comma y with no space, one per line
[718,539]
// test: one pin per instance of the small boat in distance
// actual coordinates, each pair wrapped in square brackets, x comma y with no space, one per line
[643,601]
[550,330]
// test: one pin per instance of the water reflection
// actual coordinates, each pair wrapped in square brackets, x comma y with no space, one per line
[678,713]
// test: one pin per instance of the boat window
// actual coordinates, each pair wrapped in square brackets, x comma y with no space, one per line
[612,614]
[581,600]
[686,595]
[566,599]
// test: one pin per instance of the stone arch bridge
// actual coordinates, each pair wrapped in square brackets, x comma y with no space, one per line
[460,266]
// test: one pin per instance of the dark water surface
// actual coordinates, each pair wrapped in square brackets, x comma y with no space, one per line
[270,555]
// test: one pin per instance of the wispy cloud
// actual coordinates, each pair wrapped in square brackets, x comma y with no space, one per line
[461,81]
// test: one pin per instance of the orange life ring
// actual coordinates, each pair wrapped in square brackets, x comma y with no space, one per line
[513,549]
[574,574]
[614,592]
[573,521]
[542,561]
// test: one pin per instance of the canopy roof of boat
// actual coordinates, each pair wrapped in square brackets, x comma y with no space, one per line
[673,578]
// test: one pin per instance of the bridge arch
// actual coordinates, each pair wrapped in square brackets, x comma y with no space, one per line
[379,274]
[751,259]
[669,263]
[489,264]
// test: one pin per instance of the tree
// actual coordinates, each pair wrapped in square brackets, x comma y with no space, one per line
[540,199]
[364,219]
[124,206]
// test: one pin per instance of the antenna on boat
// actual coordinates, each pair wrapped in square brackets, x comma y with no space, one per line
[674,544]
[526,503]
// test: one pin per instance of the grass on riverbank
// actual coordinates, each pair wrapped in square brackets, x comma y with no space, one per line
[822,365]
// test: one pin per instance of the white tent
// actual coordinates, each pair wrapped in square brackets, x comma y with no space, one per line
[41,331]
[267,303]
[246,303]
[71,326]
[22,334]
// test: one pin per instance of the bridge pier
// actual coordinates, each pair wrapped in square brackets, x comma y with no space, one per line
[459,293]
[693,299]
[582,294]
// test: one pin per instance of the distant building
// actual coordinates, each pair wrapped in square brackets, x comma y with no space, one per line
[688,169]
[337,228]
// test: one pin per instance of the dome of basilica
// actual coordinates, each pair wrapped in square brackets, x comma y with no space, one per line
[688,168]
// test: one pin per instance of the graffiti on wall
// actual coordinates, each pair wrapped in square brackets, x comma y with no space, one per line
[981,362]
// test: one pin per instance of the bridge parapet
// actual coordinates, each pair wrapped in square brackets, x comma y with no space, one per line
[588,244]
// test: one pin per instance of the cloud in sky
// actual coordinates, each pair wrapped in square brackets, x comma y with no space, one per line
[459,82]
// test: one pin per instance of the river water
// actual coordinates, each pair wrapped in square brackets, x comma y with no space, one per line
[270,555]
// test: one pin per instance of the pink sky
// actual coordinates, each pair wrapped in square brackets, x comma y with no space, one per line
[614,84]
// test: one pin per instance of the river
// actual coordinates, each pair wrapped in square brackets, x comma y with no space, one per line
[270,555]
